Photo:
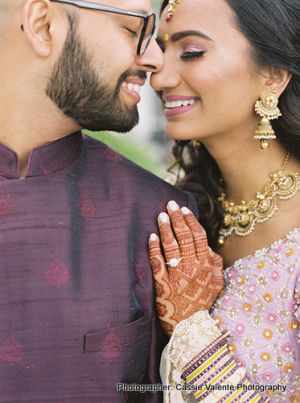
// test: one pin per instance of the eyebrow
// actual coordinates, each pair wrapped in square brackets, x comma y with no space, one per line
[183,34]
[143,11]
[140,11]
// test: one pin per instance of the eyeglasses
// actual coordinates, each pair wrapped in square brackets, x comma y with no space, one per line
[147,30]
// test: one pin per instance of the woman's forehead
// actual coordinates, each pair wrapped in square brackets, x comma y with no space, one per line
[210,16]
[200,10]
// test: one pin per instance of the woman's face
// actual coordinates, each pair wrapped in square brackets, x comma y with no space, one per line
[209,83]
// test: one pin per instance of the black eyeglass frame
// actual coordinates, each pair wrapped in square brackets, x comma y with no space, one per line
[101,7]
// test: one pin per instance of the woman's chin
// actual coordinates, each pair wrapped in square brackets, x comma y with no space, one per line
[179,132]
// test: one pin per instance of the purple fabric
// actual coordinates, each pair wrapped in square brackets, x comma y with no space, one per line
[77,310]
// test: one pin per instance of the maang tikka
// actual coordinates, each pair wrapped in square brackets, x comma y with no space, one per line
[171,10]
[268,110]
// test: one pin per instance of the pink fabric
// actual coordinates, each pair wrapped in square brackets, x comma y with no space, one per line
[260,308]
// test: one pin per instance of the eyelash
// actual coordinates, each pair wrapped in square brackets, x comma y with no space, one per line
[132,33]
[192,55]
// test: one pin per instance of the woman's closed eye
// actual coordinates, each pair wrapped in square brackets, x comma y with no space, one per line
[189,55]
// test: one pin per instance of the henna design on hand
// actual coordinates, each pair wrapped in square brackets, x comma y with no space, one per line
[195,283]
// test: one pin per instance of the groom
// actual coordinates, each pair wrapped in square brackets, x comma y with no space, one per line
[76,291]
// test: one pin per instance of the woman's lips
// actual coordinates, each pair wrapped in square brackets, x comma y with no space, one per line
[177,104]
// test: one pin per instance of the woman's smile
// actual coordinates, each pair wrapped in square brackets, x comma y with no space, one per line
[178,104]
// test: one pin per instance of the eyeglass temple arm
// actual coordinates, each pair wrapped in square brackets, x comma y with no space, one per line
[100,7]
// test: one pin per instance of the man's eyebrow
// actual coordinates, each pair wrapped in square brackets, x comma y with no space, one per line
[140,11]
[180,35]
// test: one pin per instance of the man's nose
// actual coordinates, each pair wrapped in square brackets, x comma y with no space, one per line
[152,60]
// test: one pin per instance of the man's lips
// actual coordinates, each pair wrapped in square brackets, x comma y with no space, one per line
[135,80]
[132,86]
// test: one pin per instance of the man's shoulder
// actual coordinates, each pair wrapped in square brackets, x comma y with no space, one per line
[117,162]
[131,178]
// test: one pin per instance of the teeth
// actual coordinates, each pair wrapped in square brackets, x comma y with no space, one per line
[177,104]
[137,88]
[133,87]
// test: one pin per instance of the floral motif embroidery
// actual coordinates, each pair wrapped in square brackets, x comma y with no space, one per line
[265,356]
[111,346]
[11,350]
[267,334]
[268,297]
[261,265]
[247,307]
[86,205]
[261,309]
[57,273]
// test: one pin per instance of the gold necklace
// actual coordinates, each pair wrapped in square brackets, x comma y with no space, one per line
[241,219]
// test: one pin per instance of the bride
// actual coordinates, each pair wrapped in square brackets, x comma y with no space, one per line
[230,91]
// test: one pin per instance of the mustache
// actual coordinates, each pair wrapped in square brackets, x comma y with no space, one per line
[133,73]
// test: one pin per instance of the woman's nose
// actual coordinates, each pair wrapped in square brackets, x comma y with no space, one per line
[166,78]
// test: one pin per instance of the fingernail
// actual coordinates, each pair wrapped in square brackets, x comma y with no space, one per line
[153,237]
[173,205]
[185,210]
[164,218]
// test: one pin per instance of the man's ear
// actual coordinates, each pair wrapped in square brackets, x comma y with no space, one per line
[276,80]
[36,20]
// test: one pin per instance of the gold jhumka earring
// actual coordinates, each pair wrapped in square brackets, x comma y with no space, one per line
[268,110]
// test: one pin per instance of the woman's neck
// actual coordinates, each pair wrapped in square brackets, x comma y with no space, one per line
[246,168]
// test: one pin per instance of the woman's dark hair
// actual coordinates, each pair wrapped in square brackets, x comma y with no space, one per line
[273,29]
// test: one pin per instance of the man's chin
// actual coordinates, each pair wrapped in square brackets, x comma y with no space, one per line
[119,126]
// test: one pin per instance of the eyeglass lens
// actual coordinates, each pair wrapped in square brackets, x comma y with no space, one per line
[146,34]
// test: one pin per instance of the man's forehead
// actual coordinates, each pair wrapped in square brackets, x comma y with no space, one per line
[144,6]
[133,5]
[6,5]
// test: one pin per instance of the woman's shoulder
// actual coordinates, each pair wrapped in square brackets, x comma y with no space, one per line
[281,249]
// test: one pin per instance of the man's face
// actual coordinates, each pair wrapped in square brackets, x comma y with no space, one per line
[89,82]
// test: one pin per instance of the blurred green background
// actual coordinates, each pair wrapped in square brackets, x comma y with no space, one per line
[146,144]
[126,145]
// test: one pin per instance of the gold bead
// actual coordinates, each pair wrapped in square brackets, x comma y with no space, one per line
[244,220]
[260,196]
[221,240]
[227,220]
[264,145]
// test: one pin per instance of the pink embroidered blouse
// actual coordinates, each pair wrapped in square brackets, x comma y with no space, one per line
[260,308]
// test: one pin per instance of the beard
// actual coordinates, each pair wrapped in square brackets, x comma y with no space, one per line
[76,89]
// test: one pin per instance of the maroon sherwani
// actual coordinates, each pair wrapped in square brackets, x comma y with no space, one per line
[77,313]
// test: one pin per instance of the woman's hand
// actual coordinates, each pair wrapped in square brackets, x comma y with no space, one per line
[188,274]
